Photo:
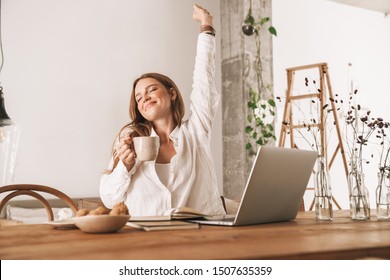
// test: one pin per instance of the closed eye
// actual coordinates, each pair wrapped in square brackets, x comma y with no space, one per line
[149,89]
[152,89]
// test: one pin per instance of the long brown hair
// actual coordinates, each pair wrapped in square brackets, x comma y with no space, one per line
[139,126]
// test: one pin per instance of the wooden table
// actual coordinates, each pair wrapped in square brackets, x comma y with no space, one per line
[303,238]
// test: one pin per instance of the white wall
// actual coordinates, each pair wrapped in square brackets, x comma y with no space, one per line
[313,31]
[69,68]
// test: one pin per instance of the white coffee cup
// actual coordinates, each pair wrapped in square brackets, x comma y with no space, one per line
[146,147]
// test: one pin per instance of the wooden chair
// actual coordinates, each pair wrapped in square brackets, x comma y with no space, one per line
[31,190]
[302,207]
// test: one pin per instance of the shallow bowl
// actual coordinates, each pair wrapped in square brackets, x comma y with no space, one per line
[101,223]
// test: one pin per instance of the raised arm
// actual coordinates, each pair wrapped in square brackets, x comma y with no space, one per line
[202,15]
[204,97]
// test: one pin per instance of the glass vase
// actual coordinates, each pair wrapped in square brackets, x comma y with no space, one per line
[359,202]
[383,196]
[322,192]
[9,140]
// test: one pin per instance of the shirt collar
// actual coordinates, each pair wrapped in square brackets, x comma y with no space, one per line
[174,136]
[153,132]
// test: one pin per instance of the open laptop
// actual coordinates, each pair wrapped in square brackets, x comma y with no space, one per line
[274,189]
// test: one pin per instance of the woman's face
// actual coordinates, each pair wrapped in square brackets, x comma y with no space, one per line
[153,99]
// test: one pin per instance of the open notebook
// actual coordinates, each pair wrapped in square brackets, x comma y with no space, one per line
[181,213]
[274,189]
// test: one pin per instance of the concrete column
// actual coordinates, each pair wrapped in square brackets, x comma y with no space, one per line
[238,75]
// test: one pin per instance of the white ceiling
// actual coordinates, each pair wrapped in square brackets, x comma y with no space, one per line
[382,6]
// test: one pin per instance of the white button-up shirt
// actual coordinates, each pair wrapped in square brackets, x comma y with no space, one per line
[193,180]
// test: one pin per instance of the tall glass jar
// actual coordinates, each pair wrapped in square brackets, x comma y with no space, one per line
[383,196]
[359,201]
[9,140]
[322,191]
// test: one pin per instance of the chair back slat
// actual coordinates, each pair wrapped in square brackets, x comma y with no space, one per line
[31,190]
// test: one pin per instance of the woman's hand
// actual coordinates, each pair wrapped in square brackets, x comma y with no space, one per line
[125,152]
[202,15]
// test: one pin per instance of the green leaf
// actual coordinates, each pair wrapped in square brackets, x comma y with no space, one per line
[271,102]
[249,118]
[252,105]
[254,135]
[250,20]
[260,142]
[264,20]
[254,96]
[272,30]
[248,129]
[259,122]
[270,127]
[248,146]
[263,106]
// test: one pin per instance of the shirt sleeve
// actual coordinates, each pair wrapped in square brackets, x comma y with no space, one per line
[204,97]
[114,186]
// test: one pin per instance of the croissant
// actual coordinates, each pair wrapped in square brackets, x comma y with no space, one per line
[119,209]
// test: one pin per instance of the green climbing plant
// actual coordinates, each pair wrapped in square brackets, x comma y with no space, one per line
[261,103]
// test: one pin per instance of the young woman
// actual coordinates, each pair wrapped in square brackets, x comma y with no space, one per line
[183,173]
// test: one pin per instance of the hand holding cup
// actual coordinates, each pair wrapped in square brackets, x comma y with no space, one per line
[125,152]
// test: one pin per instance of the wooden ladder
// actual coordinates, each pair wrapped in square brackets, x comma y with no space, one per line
[288,125]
